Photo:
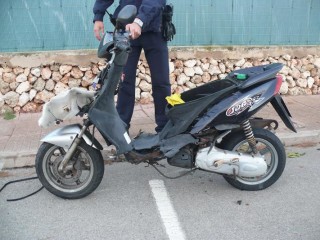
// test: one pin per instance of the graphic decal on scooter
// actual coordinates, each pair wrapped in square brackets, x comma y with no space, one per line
[243,104]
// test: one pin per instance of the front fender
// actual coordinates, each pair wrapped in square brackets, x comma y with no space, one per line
[64,136]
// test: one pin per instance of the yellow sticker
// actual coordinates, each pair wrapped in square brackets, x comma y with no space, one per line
[174,99]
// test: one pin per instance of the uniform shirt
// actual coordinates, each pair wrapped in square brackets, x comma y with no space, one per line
[149,12]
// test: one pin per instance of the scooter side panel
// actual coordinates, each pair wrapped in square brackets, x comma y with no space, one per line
[238,107]
[105,117]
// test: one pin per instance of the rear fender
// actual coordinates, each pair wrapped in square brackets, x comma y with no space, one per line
[64,136]
[254,122]
[282,110]
[229,130]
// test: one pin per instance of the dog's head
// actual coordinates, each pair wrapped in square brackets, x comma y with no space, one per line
[64,106]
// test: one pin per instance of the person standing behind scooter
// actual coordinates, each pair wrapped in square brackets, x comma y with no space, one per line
[146,34]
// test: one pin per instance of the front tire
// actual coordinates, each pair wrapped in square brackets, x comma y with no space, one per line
[269,146]
[84,174]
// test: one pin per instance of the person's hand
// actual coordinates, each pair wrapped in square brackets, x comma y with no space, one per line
[98,28]
[134,29]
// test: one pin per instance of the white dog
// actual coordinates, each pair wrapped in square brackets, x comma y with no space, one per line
[65,106]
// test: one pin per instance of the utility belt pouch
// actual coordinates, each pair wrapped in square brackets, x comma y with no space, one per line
[168,28]
[111,18]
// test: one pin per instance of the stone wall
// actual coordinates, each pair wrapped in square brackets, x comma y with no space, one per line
[25,86]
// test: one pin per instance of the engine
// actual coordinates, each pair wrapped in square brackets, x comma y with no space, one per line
[230,163]
[184,158]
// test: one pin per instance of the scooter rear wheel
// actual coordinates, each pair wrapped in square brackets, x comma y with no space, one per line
[269,146]
[84,174]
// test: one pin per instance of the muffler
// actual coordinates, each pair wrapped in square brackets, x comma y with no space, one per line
[230,163]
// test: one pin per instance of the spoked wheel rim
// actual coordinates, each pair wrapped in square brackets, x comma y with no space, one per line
[79,173]
[266,150]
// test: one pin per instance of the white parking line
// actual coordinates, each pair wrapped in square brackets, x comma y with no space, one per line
[166,210]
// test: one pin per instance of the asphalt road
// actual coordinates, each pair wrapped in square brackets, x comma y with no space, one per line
[203,205]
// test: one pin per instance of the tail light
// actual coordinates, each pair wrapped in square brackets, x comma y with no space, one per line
[279,83]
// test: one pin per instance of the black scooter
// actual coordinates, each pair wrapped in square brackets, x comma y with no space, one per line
[213,130]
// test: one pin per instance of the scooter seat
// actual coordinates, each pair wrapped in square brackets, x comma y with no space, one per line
[255,75]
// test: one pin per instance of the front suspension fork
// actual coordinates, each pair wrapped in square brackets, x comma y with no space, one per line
[73,147]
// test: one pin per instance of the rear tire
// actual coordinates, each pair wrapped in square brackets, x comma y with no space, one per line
[268,146]
[84,176]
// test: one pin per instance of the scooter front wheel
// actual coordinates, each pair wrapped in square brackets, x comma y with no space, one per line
[82,176]
[269,146]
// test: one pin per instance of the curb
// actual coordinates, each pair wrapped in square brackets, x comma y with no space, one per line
[301,137]
[10,160]
[17,160]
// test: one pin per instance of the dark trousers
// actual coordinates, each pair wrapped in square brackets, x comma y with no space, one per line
[156,52]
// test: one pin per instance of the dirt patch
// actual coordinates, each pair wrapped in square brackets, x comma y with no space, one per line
[4,174]
[107,162]
[305,145]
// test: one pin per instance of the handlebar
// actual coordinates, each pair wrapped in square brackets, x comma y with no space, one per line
[121,40]
[121,44]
